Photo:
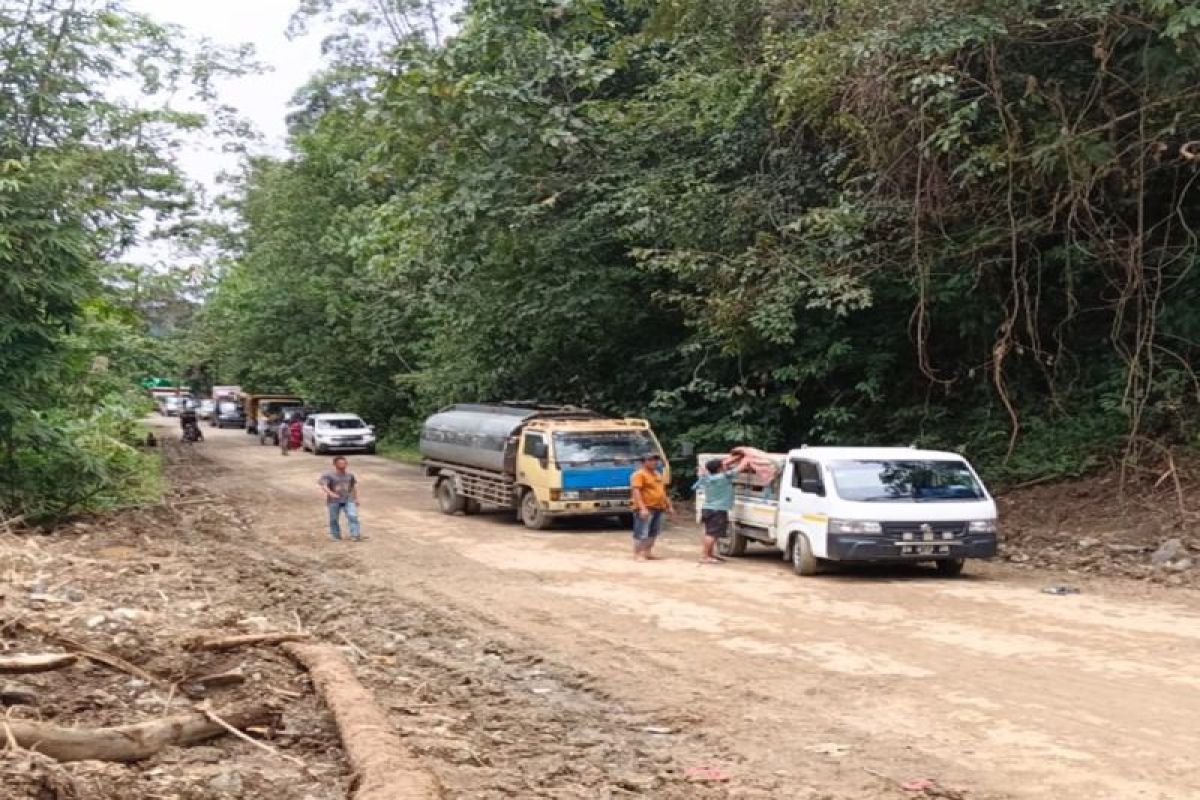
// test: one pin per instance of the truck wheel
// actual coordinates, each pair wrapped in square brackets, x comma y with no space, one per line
[448,499]
[803,561]
[951,567]
[471,506]
[532,514]
[625,521]
[732,544]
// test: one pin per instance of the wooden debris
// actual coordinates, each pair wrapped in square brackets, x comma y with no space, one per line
[233,729]
[230,678]
[383,769]
[221,643]
[41,662]
[92,654]
[129,742]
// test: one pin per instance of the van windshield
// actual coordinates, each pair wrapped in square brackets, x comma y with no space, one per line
[905,481]
[586,448]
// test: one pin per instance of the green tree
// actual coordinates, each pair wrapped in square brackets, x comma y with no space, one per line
[81,168]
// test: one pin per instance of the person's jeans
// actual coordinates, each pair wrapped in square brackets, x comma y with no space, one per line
[335,513]
[646,530]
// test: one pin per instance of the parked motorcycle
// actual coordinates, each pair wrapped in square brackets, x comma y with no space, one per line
[191,433]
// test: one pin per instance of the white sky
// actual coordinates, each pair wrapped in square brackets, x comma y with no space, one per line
[261,98]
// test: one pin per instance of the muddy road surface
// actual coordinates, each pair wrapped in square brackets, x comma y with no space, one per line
[846,685]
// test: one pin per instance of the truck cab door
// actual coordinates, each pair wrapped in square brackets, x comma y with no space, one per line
[805,504]
[533,464]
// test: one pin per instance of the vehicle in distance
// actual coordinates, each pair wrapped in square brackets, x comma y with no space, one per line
[864,504]
[544,462]
[229,414]
[207,408]
[173,404]
[337,433]
[263,408]
[270,431]
[159,395]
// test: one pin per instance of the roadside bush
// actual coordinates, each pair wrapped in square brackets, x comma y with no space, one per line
[65,463]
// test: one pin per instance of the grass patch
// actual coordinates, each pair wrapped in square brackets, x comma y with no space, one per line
[398,450]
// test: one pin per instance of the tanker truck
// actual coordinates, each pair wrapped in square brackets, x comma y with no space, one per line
[543,462]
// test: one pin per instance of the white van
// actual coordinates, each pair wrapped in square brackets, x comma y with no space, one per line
[864,504]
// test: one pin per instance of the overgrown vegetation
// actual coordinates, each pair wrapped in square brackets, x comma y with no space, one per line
[963,224]
[81,169]
[968,225]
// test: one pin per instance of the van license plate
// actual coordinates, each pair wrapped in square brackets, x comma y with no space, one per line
[925,550]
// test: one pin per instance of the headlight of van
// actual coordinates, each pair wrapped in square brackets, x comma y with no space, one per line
[854,526]
[982,526]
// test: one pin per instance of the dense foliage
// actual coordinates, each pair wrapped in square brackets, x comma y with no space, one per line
[81,171]
[962,224]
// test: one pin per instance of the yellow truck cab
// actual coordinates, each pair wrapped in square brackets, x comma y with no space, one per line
[260,408]
[544,462]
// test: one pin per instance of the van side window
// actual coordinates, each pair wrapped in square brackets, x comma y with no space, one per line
[806,476]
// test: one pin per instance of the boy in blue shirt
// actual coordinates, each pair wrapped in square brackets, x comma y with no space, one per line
[717,485]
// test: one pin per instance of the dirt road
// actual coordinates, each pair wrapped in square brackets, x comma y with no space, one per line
[843,685]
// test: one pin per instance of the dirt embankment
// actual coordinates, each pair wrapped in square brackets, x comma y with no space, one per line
[489,720]
[1151,531]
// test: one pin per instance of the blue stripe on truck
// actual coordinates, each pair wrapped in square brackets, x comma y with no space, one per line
[596,477]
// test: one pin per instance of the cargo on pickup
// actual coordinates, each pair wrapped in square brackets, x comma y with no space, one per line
[863,504]
[544,462]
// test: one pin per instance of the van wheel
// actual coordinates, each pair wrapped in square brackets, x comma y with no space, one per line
[448,500]
[951,567]
[532,513]
[732,544]
[803,561]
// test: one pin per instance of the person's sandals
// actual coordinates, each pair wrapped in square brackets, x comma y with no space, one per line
[713,560]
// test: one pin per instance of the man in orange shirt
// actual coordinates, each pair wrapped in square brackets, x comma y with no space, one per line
[650,503]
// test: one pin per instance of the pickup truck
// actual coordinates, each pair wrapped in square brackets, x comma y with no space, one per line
[863,504]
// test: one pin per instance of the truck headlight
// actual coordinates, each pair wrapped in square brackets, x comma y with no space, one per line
[982,526]
[854,526]
[570,495]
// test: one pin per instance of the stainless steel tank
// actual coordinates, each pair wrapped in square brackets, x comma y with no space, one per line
[482,436]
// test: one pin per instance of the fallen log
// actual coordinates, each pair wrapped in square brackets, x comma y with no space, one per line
[128,742]
[220,643]
[41,662]
[383,769]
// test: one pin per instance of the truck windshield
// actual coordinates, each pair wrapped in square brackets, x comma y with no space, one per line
[901,481]
[585,448]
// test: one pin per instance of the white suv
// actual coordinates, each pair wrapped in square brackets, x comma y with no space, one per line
[327,433]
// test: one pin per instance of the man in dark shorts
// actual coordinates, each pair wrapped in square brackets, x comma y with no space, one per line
[717,485]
